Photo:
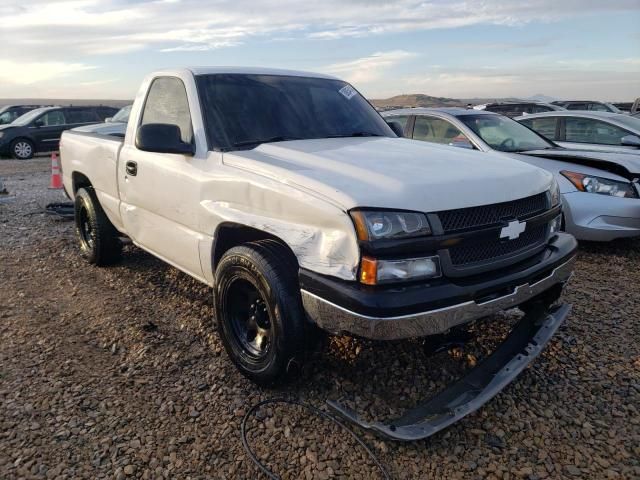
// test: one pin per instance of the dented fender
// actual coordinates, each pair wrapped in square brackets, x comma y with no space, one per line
[319,233]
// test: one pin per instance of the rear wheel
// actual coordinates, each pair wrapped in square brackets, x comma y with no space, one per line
[259,312]
[98,238]
[22,149]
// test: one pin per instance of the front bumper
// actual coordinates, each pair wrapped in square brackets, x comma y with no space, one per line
[601,218]
[391,313]
[525,342]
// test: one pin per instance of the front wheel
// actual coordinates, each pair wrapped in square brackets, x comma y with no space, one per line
[259,311]
[99,240]
[22,149]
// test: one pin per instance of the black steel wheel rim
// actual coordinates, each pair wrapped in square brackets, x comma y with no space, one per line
[249,319]
[85,228]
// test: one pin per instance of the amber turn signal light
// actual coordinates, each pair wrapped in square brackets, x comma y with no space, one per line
[368,271]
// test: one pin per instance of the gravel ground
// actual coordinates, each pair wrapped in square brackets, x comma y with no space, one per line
[115,373]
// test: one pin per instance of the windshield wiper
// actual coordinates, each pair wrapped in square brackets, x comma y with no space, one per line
[278,138]
[355,134]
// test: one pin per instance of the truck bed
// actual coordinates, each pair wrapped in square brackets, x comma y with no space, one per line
[96,156]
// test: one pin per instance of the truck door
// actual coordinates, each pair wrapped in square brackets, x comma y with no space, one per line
[159,192]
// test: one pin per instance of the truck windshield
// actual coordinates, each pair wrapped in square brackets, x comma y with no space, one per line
[241,111]
[504,134]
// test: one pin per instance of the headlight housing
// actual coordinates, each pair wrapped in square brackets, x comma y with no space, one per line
[600,185]
[554,191]
[372,225]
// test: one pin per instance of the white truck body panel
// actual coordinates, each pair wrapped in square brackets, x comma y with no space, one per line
[299,191]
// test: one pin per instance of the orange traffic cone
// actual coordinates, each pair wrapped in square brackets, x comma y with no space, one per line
[56,177]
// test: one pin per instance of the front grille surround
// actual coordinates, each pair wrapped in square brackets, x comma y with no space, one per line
[472,256]
[472,218]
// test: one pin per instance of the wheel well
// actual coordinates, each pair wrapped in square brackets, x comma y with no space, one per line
[79,181]
[231,235]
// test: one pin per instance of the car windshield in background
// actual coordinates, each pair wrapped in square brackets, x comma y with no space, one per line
[629,122]
[29,116]
[243,110]
[123,115]
[504,134]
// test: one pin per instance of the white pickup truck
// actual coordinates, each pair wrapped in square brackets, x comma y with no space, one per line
[292,197]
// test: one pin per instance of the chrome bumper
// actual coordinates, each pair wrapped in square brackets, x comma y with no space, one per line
[336,319]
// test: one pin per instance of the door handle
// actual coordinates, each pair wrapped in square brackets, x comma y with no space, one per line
[131,168]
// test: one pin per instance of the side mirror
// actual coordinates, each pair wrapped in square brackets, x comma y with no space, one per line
[38,123]
[396,127]
[108,119]
[162,138]
[630,141]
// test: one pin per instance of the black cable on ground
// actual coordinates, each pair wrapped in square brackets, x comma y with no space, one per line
[315,411]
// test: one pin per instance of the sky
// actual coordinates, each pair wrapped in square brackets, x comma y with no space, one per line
[580,49]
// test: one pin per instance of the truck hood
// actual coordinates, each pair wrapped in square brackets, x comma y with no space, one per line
[624,164]
[393,173]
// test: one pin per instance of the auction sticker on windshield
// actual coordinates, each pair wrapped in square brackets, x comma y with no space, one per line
[348,92]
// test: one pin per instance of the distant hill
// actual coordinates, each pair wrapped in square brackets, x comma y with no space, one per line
[63,101]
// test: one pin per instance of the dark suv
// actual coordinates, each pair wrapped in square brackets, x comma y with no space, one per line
[517,109]
[9,113]
[39,130]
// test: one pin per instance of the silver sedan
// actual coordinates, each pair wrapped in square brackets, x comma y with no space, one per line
[599,205]
[603,131]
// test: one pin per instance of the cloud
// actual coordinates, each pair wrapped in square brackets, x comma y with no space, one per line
[367,69]
[46,28]
[28,73]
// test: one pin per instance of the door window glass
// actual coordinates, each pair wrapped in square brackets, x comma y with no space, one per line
[587,130]
[401,119]
[53,118]
[82,115]
[436,130]
[598,107]
[167,103]
[544,126]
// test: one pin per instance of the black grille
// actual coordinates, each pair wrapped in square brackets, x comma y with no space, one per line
[482,251]
[475,217]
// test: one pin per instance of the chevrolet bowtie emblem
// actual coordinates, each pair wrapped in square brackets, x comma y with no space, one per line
[513,229]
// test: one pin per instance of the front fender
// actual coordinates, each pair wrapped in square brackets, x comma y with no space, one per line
[320,235]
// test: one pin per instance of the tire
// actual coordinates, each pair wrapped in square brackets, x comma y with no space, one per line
[22,149]
[98,238]
[259,312]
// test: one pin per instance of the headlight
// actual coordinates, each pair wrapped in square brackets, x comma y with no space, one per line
[375,225]
[555,193]
[374,271]
[603,186]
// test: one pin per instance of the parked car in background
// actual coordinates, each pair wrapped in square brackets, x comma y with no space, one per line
[624,107]
[605,131]
[515,109]
[8,113]
[590,105]
[122,116]
[601,201]
[39,130]
[116,125]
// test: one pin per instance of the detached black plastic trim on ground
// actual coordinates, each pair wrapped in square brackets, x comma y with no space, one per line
[523,344]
